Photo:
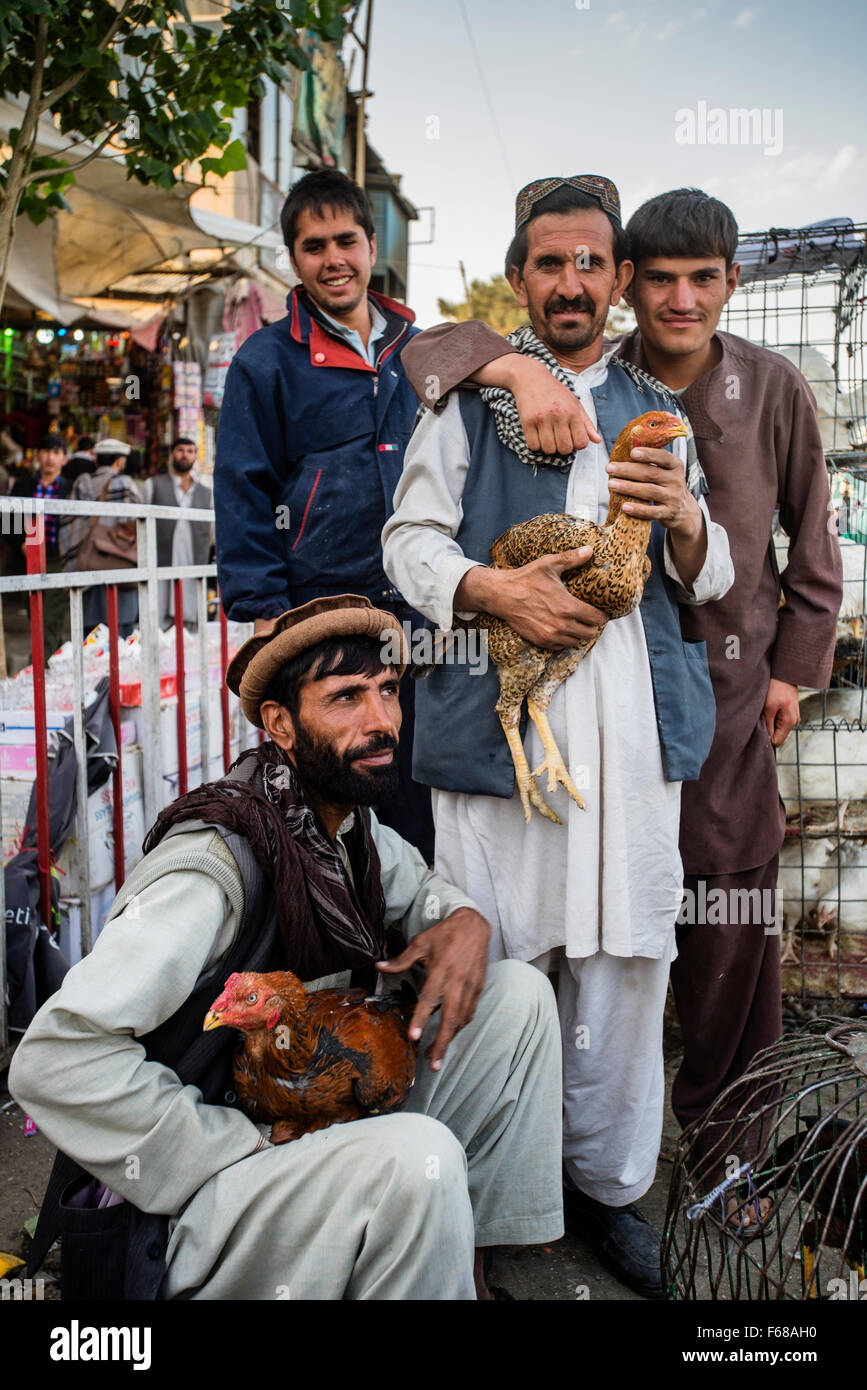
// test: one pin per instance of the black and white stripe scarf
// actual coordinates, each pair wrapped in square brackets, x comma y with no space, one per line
[508,422]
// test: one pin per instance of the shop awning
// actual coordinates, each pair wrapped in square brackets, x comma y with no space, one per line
[116,227]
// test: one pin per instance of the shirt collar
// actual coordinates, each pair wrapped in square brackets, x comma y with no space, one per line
[176,478]
[596,371]
[353,337]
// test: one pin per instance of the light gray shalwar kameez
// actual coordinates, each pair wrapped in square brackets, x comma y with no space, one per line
[384,1208]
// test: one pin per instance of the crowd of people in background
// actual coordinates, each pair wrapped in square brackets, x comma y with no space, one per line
[99,471]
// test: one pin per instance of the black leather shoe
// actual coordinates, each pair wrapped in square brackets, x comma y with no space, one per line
[624,1240]
[497,1292]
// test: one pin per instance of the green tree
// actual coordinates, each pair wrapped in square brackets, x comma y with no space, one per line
[490,300]
[142,74]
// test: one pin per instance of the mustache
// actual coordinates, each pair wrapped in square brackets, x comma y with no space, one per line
[561,305]
[380,743]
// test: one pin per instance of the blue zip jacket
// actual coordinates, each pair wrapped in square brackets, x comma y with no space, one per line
[309,452]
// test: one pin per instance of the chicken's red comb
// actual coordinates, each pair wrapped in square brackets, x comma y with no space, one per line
[229,990]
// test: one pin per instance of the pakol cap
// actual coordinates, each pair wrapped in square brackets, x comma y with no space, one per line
[594,185]
[257,662]
[112,447]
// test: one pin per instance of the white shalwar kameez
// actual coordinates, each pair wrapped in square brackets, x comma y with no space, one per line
[599,895]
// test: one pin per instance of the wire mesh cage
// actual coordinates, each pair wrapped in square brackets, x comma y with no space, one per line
[803,294]
[768,1197]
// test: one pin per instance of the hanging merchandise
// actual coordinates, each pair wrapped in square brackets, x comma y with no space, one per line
[187,380]
[221,351]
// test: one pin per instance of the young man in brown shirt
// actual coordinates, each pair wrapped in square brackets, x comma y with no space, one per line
[758,440]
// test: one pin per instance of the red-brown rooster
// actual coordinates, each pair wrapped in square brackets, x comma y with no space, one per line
[310,1060]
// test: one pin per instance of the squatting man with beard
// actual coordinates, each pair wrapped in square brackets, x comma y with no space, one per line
[351,1211]
[594,899]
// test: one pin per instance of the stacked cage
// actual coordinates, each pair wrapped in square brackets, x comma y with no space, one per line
[803,294]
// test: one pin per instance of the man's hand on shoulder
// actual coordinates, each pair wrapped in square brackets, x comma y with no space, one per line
[455,954]
[553,419]
[263,625]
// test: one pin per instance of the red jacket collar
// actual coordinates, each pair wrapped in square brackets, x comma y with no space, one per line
[326,350]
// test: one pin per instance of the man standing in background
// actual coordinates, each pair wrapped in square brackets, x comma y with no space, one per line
[46,481]
[107,483]
[180,542]
[315,419]
[82,461]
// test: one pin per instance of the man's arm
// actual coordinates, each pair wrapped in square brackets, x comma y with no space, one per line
[446,933]
[473,354]
[82,1075]
[812,581]
[446,356]
[249,475]
[803,651]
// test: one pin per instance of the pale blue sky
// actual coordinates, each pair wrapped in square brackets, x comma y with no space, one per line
[596,90]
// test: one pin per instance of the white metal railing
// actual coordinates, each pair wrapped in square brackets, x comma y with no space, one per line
[25,517]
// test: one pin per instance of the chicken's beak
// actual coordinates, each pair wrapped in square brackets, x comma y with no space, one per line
[212,1020]
[678,431]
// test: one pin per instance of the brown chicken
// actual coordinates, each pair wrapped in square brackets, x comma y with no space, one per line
[315,1059]
[612,580]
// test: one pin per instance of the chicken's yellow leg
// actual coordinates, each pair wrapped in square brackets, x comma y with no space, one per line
[553,760]
[807,1259]
[530,794]
[557,670]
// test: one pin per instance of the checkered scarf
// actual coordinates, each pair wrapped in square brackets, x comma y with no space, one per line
[502,404]
[508,422]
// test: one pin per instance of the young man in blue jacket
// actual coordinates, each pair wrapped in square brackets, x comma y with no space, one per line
[316,415]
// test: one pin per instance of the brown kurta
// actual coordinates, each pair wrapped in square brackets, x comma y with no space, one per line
[758,440]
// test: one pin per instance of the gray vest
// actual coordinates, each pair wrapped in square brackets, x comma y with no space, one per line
[459,743]
[163,495]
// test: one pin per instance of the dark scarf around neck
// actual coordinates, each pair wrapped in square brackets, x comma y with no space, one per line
[326,925]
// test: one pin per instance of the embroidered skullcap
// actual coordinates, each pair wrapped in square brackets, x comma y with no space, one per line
[595,185]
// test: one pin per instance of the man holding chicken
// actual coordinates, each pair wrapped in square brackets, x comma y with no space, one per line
[117,1071]
[595,898]
[760,447]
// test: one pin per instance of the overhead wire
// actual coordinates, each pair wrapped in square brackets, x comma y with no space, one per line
[487,95]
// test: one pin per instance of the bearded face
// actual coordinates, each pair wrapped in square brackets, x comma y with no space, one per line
[338,777]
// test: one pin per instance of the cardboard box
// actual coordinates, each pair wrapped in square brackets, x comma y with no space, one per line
[100,819]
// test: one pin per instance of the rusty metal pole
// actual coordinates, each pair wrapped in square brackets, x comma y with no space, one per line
[36,564]
[181,687]
[114,713]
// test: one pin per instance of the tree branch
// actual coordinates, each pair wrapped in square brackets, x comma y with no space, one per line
[21,156]
[74,78]
[43,175]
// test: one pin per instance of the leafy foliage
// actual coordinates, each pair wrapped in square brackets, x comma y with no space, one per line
[141,73]
[490,300]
